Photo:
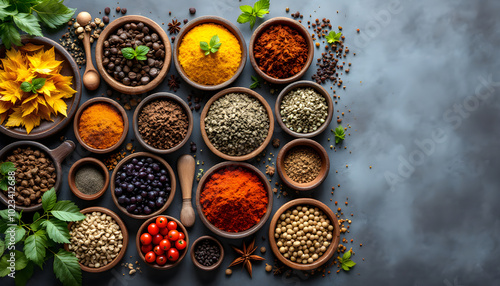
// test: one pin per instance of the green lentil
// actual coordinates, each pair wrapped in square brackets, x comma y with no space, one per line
[303,110]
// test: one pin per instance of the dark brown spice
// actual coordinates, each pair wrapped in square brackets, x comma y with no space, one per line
[174,27]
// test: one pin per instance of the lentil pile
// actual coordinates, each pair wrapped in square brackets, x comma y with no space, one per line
[101,125]
[303,110]
[89,180]
[207,252]
[237,124]
[302,164]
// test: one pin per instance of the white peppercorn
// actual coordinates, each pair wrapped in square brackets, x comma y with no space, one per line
[303,110]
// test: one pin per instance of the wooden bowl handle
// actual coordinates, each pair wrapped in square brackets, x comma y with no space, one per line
[63,151]
[186,168]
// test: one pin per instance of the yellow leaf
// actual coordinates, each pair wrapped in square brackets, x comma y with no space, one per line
[44,112]
[16,118]
[13,59]
[24,73]
[30,98]
[47,87]
[3,116]
[60,107]
[44,62]
[41,100]
[31,121]
[63,84]
[29,107]
[29,47]
[5,106]
[11,91]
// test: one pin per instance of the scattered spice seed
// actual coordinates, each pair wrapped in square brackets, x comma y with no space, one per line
[174,27]
[192,11]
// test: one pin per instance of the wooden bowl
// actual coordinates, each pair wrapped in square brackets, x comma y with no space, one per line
[99,53]
[56,155]
[335,233]
[199,265]
[323,173]
[214,20]
[241,234]
[292,24]
[170,174]
[122,252]
[252,94]
[120,110]
[81,163]
[162,96]
[69,68]
[144,228]
[304,84]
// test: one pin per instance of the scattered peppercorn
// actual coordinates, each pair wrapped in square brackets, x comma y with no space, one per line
[107,10]
[118,9]
[192,11]
[124,10]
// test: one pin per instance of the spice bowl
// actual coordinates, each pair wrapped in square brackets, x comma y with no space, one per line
[303,85]
[160,96]
[99,166]
[209,20]
[330,250]
[117,107]
[234,166]
[318,149]
[212,240]
[100,53]
[294,25]
[251,94]
[125,235]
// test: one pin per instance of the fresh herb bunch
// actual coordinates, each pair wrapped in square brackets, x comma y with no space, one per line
[35,85]
[260,8]
[333,37]
[339,134]
[346,261]
[5,169]
[255,82]
[139,53]
[211,47]
[26,15]
[41,240]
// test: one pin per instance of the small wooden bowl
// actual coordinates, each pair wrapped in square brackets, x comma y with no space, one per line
[335,233]
[99,53]
[171,176]
[120,110]
[304,84]
[241,234]
[323,173]
[214,20]
[162,96]
[199,265]
[292,24]
[144,228]
[252,94]
[81,163]
[123,228]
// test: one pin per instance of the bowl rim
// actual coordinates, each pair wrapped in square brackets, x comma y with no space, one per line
[304,84]
[171,175]
[125,235]
[296,26]
[250,93]
[99,51]
[120,110]
[156,97]
[142,230]
[332,248]
[198,264]
[215,20]
[253,229]
[320,150]
[81,163]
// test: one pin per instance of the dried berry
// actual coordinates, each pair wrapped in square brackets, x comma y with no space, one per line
[192,11]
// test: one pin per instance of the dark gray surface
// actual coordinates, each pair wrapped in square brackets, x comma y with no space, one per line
[419,79]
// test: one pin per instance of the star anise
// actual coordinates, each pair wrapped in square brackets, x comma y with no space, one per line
[174,27]
[174,82]
[246,256]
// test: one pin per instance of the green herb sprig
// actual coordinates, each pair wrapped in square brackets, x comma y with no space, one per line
[346,261]
[333,37]
[255,82]
[339,134]
[5,169]
[35,84]
[139,53]
[260,8]
[211,47]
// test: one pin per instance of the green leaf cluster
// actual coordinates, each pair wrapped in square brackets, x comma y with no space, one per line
[346,262]
[255,82]
[27,15]
[339,134]
[250,14]
[139,53]
[211,47]
[5,169]
[41,240]
[35,85]
[333,37]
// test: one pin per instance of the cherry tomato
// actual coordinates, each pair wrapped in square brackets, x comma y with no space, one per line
[153,229]
[157,250]
[181,235]
[165,245]
[180,244]
[173,254]
[146,238]
[161,260]
[172,225]
[173,235]
[164,231]
[146,248]
[161,222]
[150,257]
[157,238]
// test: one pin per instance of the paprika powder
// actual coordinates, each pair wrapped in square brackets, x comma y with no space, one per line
[100,126]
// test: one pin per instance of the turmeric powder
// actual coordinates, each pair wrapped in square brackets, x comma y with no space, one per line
[100,126]
[214,68]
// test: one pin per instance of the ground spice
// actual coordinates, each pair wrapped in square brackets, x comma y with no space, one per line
[100,126]
[281,52]
[214,68]
[302,164]
[234,199]
[89,180]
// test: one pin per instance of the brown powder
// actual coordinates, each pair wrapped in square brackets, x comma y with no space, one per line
[302,164]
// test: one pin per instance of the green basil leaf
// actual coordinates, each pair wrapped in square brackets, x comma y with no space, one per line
[252,22]
[67,211]
[345,267]
[214,40]
[349,263]
[38,83]
[53,13]
[261,5]
[57,230]
[128,53]
[141,50]
[246,9]
[67,269]
[243,18]
[261,13]
[204,46]
[34,247]
[3,184]
[217,46]
[23,275]
[26,86]
[28,23]
[9,35]
[8,167]
[141,58]
[346,255]
[49,199]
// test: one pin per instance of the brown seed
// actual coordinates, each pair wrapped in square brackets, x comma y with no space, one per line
[107,10]
[105,19]
[229,271]
[287,9]
[124,10]
[192,11]
[118,9]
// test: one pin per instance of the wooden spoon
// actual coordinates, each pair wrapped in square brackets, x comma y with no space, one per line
[91,78]
[185,168]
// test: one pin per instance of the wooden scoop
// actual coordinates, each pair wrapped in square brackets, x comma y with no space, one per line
[91,78]
[185,168]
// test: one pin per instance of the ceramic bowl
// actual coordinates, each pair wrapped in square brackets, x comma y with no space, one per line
[156,97]
[241,234]
[295,25]
[332,248]
[252,94]
[214,20]
[86,162]
[304,84]
[120,110]
[69,68]
[199,265]
[323,173]
[99,54]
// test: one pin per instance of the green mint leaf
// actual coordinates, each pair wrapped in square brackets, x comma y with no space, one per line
[34,247]
[57,230]
[67,211]
[261,13]
[246,9]
[255,83]
[7,167]
[49,200]
[3,184]
[53,13]
[28,23]
[252,22]
[38,83]
[141,58]
[349,263]
[346,255]
[6,9]
[204,46]
[261,5]
[18,231]
[243,18]
[345,267]
[2,247]
[207,53]
[9,35]
[26,86]
[67,269]
[141,50]
[128,53]
[22,276]
[214,40]
[217,46]
[333,37]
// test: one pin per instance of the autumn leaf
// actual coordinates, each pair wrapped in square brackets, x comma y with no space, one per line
[29,47]
[16,118]
[11,91]
[48,87]
[43,62]
[5,106]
